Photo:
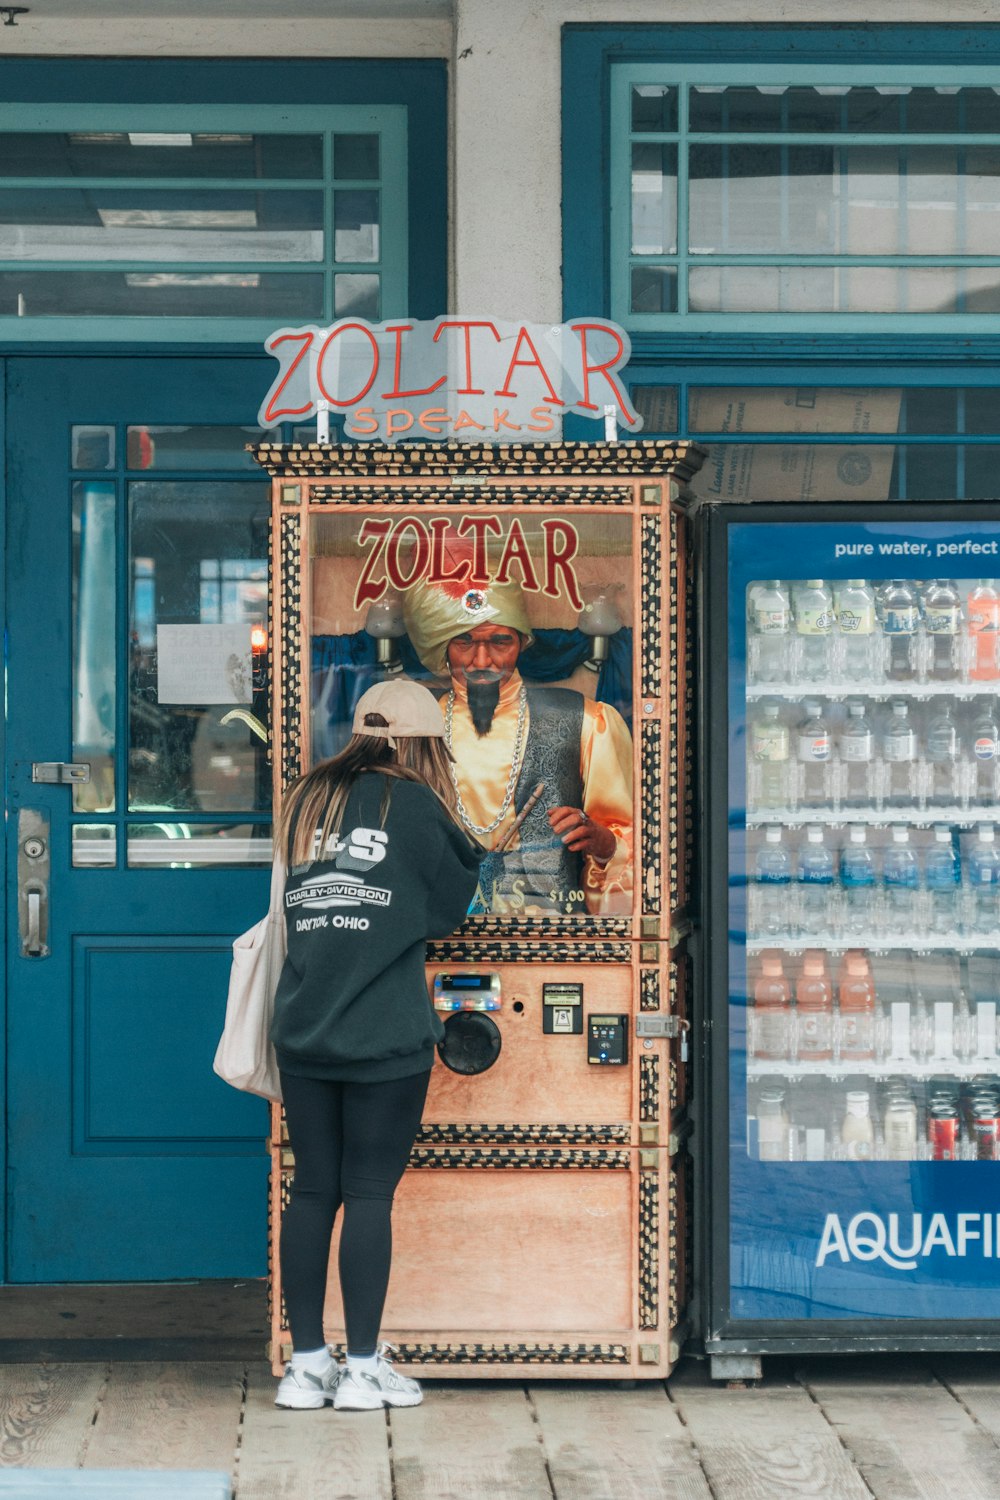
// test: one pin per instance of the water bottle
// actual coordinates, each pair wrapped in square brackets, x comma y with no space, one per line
[984,881]
[773,872]
[942,757]
[983,757]
[856,629]
[770,632]
[816,873]
[857,758]
[899,757]
[812,751]
[857,881]
[901,878]
[901,619]
[769,751]
[942,875]
[814,619]
[943,626]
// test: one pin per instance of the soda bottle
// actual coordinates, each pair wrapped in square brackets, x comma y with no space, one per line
[943,624]
[899,756]
[854,603]
[857,1133]
[857,1008]
[770,632]
[857,879]
[816,872]
[814,1004]
[814,619]
[901,878]
[813,751]
[942,757]
[984,881]
[900,622]
[984,756]
[772,1011]
[856,747]
[983,616]
[942,874]
[774,879]
[769,748]
[899,1124]
[772,1126]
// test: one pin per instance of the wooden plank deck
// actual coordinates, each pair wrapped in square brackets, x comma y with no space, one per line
[895,1428]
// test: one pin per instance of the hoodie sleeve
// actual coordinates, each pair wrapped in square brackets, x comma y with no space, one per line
[453,886]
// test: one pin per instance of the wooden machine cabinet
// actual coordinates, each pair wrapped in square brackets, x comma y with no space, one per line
[541,1226]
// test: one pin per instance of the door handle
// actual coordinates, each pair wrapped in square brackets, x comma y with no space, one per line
[33,871]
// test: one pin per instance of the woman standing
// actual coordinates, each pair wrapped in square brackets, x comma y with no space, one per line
[377,865]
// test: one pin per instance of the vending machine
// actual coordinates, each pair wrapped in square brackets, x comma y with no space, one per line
[541,1225]
[850,750]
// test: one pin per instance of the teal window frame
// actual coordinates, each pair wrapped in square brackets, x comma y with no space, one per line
[389,121]
[683,76]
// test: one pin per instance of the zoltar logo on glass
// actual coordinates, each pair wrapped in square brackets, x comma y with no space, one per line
[521,626]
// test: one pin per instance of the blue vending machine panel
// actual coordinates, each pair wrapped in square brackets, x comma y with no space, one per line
[864,920]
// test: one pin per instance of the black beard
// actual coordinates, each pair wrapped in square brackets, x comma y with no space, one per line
[483,700]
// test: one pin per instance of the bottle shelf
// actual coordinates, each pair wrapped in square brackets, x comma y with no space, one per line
[909,942]
[833,817]
[943,1067]
[879,690]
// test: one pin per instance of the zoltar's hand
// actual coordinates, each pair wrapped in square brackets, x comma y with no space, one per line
[582,834]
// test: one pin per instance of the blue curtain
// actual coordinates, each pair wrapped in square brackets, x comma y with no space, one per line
[344,666]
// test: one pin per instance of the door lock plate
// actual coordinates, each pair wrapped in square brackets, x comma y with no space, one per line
[71,771]
[33,882]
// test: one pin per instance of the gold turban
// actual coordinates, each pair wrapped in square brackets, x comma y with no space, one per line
[435,613]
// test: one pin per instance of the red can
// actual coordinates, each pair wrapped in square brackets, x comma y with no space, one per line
[942,1132]
[986,1129]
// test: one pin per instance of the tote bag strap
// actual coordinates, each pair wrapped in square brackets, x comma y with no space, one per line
[277,885]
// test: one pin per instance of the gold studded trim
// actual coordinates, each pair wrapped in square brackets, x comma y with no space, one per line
[649,1249]
[505,1354]
[457,950]
[651,569]
[580,1135]
[502,1158]
[649,1087]
[649,989]
[651,757]
[548,926]
[471,494]
[376,460]
[291,664]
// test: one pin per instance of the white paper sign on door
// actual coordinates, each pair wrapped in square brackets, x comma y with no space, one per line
[203,664]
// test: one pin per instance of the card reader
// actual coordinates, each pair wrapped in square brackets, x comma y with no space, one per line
[607,1040]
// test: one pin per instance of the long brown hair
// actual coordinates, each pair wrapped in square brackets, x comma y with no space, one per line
[313,807]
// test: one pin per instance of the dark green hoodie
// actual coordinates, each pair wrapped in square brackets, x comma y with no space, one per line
[352,1000]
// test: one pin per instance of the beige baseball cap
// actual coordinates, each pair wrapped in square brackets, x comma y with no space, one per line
[408,709]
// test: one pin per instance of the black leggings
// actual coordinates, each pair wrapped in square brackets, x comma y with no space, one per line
[351,1143]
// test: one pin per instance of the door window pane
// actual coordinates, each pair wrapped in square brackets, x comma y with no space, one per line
[198,643]
[179,846]
[94,846]
[93,447]
[192,447]
[94,635]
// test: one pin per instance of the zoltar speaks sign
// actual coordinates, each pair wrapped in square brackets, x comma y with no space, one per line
[471,379]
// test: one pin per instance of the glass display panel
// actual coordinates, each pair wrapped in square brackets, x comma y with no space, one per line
[864,919]
[161,154]
[94,507]
[191,447]
[181,846]
[176,225]
[160,294]
[198,646]
[522,626]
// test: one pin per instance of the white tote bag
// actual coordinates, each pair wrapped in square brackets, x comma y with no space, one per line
[245,1057]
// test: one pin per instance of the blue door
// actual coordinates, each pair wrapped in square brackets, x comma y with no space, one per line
[136,601]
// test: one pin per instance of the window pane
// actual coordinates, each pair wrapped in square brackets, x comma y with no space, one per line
[982,409]
[764,289]
[982,465]
[654,199]
[734,109]
[981,188]
[94,635]
[160,294]
[158,154]
[178,846]
[198,677]
[191,447]
[793,409]
[929,410]
[654,107]
[654,289]
[762,199]
[796,471]
[94,845]
[357,294]
[150,224]
[355,157]
[93,447]
[657,406]
[355,225]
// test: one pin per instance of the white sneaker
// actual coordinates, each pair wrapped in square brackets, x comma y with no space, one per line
[359,1391]
[304,1390]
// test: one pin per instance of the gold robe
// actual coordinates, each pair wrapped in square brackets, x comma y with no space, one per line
[483,768]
